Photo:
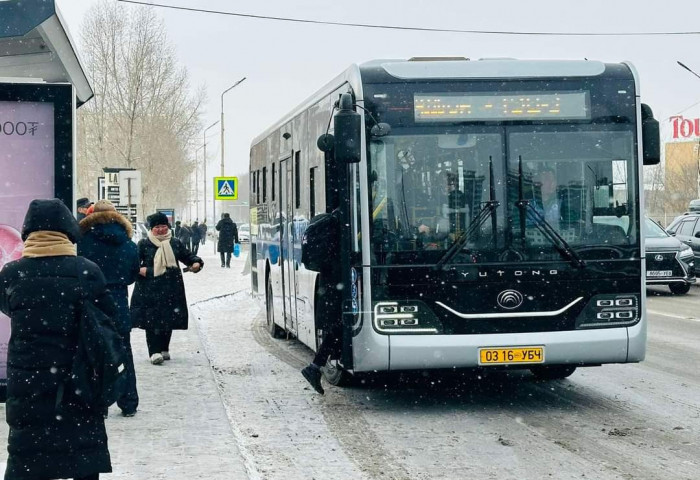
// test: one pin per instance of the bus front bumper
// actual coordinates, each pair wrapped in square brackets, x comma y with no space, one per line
[581,347]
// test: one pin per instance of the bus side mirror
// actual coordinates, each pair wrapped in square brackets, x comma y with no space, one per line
[651,145]
[347,131]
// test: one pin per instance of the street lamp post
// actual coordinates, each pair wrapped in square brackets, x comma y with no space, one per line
[222,120]
[196,182]
[205,167]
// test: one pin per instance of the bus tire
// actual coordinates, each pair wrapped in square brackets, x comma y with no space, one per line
[272,327]
[552,372]
[679,288]
[336,375]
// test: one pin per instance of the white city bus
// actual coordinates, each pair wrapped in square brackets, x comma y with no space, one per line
[492,214]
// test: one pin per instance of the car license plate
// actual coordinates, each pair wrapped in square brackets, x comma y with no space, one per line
[508,355]
[659,273]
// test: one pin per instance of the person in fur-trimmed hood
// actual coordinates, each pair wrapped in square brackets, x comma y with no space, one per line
[106,240]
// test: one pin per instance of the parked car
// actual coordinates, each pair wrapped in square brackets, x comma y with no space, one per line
[669,261]
[686,228]
[244,233]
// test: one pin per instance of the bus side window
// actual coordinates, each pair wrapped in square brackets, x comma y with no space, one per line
[312,192]
[264,186]
[272,185]
[297,179]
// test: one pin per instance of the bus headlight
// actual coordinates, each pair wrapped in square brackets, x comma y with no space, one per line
[610,311]
[405,317]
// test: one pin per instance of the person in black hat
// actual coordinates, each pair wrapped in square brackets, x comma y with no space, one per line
[158,304]
[82,205]
[53,432]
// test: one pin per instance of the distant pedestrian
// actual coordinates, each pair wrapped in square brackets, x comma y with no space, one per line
[53,433]
[158,304]
[228,236]
[107,242]
[186,236]
[196,237]
[203,231]
[82,205]
[178,229]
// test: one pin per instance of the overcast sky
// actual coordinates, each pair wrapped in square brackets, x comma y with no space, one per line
[286,62]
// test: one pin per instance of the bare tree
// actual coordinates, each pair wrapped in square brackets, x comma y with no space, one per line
[145,114]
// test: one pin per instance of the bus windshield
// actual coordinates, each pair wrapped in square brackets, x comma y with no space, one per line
[431,184]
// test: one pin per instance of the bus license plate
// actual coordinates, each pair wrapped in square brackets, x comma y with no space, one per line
[659,273]
[507,356]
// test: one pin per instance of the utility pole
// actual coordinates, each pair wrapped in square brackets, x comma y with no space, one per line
[205,168]
[222,120]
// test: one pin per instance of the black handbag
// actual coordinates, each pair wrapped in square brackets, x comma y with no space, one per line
[98,374]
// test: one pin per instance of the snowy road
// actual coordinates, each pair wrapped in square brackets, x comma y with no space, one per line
[613,422]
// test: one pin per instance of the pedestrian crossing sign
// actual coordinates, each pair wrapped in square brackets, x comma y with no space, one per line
[226,188]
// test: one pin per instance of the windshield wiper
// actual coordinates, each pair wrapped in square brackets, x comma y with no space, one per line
[549,232]
[488,210]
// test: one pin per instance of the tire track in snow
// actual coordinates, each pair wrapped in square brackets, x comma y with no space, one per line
[341,414]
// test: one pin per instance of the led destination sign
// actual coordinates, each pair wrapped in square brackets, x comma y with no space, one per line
[500,107]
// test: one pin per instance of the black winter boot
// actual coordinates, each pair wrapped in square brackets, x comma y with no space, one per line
[312,374]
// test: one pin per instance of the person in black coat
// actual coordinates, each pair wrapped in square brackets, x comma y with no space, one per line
[158,304]
[203,232]
[107,241]
[53,433]
[196,237]
[186,236]
[228,235]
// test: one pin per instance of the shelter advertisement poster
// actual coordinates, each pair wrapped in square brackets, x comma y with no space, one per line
[27,155]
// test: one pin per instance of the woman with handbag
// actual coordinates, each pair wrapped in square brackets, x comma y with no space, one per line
[159,304]
[53,432]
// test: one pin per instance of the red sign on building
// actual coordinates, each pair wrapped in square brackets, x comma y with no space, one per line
[685,127]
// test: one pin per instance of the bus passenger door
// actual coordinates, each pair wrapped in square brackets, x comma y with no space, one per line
[287,245]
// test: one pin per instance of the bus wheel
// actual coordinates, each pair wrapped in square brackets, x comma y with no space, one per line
[275,331]
[679,289]
[336,375]
[552,372]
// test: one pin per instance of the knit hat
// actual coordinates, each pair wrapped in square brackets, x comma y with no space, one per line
[104,206]
[157,219]
[50,215]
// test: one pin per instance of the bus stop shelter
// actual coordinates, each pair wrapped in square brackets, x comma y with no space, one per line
[35,45]
[42,83]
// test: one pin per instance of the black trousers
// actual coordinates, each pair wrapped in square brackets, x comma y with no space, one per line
[195,247]
[158,341]
[129,401]
[329,303]
[227,262]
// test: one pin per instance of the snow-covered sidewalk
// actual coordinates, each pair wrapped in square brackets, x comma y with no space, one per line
[181,430]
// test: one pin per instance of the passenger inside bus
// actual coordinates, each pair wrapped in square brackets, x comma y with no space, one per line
[547,203]
[453,218]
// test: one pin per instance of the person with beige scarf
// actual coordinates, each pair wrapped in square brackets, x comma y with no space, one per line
[53,433]
[159,304]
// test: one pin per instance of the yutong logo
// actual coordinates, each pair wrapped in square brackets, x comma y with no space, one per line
[515,273]
[510,299]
